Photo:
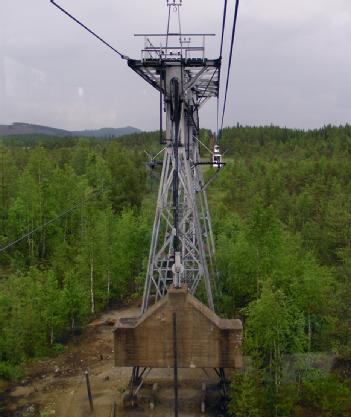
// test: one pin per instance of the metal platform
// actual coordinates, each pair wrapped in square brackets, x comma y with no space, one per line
[201,76]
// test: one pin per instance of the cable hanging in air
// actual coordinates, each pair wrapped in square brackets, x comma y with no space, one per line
[89,30]
[49,222]
[223,26]
[229,65]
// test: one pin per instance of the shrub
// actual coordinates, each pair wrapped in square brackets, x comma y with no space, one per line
[10,372]
[328,396]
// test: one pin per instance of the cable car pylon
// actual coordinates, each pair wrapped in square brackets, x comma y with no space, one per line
[182,243]
[174,328]
[182,246]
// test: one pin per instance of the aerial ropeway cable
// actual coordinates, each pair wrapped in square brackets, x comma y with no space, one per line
[229,62]
[89,30]
[49,222]
[224,19]
[223,26]
[96,193]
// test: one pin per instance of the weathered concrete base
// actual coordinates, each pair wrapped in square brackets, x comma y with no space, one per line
[204,340]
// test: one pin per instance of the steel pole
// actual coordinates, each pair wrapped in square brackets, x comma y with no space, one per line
[175,358]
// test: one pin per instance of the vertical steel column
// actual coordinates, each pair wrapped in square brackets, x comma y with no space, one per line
[181,239]
[175,365]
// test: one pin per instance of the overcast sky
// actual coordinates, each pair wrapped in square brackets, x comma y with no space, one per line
[292,62]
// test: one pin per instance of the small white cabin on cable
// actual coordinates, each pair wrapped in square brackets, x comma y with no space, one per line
[216,157]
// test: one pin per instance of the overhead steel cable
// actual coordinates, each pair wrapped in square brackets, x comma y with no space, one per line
[89,30]
[220,57]
[207,87]
[49,222]
[168,24]
[229,65]
[223,26]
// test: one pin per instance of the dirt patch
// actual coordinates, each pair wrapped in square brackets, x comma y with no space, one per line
[57,386]
[51,385]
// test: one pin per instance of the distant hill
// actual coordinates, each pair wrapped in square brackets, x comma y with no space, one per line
[30,129]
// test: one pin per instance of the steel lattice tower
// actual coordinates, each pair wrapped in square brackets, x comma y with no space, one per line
[182,244]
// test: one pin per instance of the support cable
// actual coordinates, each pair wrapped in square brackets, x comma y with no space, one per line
[154,48]
[161,117]
[89,30]
[217,118]
[208,84]
[181,50]
[180,31]
[220,57]
[223,26]
[48,223]
[229,65]
[168,24]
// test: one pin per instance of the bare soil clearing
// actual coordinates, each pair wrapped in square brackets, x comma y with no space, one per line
[57,386]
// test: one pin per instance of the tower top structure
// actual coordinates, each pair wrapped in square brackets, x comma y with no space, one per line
[188,50]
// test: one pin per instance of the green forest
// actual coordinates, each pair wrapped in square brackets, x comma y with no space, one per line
[281,211]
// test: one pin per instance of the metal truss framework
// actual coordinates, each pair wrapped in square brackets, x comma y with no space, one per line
[194,232]
[182,244]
